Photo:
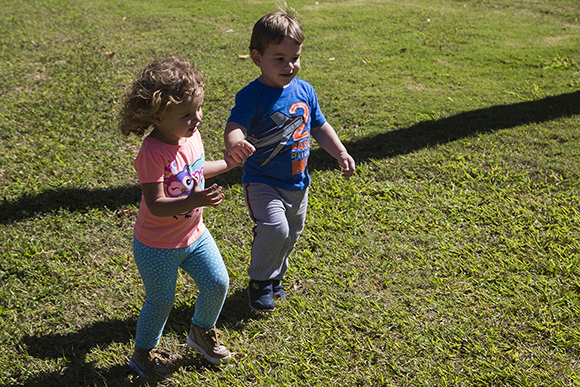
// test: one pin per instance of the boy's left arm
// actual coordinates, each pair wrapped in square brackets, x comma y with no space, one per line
[327,138]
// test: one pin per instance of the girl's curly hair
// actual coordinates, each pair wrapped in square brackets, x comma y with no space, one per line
[162,83]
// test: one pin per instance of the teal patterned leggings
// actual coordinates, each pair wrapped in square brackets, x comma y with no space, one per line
[158,268]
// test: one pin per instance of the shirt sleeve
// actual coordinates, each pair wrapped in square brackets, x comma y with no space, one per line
[150,166]
[245,106]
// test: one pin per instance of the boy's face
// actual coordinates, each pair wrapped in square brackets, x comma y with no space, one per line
[279,63]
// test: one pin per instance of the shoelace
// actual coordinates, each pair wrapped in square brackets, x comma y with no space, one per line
[213,335]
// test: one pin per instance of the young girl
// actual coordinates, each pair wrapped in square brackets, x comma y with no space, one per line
[169,232]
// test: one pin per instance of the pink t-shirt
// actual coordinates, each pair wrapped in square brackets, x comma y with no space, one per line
[176,166]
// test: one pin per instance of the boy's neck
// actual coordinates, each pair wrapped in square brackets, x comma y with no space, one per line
[261,80]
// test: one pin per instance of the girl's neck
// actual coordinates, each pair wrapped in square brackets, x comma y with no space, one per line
[158,135]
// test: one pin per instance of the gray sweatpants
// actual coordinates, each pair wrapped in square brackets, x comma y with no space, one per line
[279,216]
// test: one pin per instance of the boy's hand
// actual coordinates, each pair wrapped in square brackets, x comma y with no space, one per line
[241,150]
[347,164]
[327,138]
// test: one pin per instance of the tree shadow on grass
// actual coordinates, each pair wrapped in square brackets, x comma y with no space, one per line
[73,199]
[79,199]
[383,145]
[432,133]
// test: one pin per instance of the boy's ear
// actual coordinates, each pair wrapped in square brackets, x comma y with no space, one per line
[256,57]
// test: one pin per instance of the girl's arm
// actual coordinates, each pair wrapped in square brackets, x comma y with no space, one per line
[217,167]
[327,138]
[161,205]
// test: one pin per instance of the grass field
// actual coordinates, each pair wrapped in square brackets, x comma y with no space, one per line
[452,257]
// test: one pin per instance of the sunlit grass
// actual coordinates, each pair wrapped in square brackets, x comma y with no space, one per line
[450,258]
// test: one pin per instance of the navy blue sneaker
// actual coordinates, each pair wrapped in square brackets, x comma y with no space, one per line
[261,296]
[278,290]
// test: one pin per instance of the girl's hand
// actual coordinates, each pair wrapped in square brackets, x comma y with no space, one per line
[161,205]
[230,162]
[211,196]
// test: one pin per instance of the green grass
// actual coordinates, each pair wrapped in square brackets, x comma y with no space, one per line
[452,257]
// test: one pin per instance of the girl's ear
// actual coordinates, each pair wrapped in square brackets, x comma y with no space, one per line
[156,120]
[256,57]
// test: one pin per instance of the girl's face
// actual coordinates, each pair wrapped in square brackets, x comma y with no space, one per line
[279,63]
[180,121]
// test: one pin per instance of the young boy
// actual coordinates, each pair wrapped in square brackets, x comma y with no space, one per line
[277,113]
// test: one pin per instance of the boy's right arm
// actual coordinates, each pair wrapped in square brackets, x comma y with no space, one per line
[236,144]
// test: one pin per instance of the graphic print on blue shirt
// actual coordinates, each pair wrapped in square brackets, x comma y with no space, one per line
[179,183]
[278,123]
[287,128]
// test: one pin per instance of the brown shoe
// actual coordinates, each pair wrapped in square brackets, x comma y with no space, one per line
[147,364]
[206,341]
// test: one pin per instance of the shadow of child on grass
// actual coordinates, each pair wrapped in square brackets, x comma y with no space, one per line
[72,349]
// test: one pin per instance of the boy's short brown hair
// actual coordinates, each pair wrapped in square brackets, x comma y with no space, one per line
[273,28]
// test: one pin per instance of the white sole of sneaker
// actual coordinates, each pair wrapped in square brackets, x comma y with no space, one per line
[260,310]
[213,360]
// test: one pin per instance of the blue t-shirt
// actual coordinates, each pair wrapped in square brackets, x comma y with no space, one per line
[278,122]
